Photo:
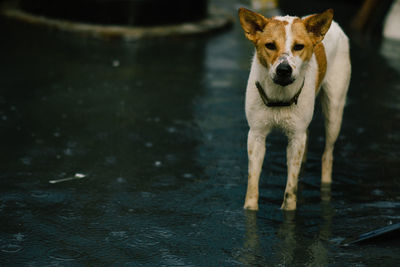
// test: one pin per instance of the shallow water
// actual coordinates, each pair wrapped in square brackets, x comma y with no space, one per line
[158,128]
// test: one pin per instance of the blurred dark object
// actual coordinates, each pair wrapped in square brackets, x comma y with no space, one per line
[370,16]
[387,232]
[343,9]
[364,14]
[121,12]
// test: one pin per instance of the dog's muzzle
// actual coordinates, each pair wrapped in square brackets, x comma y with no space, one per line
[283,74]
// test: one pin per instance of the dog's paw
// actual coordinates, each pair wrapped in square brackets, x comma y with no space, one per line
[250,206]
[326,178]
[288,205]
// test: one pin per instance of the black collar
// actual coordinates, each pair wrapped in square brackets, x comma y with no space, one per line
[268,102]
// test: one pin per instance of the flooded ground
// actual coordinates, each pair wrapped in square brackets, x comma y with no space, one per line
[158,129]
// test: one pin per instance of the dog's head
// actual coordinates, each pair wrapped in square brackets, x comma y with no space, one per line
[284,45]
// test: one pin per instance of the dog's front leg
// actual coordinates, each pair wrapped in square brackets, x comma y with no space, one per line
[256,153]
[294,154]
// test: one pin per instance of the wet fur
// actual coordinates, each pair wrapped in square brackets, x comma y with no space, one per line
[323,63]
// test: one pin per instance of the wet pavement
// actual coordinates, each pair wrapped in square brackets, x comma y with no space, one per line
[158,129]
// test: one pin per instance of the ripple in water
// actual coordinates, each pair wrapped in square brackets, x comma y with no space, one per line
[64,254]
[117,236]
[11,248]
[39,194]
[69,215]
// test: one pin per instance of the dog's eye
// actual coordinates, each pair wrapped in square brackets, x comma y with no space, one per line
[270,46]
[298,47]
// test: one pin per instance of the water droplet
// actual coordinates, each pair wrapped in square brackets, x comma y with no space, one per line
[157,163]
[115,63]
[68,152]
[121,180]
[171,129]
[148,144]
[377,192]
[187,175]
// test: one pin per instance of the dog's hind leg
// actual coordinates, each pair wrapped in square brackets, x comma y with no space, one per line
[294,154]
[256,153]
[333,99]
[333,113]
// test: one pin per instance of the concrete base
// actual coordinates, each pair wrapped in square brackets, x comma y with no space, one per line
[216,20]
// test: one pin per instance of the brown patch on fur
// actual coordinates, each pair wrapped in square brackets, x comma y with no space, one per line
[301,36]
[260,31]
[284,22]
[275,33]
[320,56]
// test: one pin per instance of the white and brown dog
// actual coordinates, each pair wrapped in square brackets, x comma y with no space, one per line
[295,60]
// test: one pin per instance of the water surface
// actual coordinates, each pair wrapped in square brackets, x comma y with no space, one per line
[158,128]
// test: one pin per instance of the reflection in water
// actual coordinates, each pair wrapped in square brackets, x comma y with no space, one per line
[290,237]
[251,247]
[318,251]
[287,235]
[327,212]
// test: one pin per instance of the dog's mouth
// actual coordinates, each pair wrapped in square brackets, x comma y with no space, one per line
[283,81]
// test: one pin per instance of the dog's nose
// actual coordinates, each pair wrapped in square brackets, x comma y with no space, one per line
[284,70]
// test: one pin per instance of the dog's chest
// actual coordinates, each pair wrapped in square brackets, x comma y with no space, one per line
[286,119]
[296,116]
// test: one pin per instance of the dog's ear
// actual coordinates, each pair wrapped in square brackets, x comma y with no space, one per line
[318,25]
[252,23]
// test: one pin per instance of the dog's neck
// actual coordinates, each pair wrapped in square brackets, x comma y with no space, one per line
[270,103]
[275,92]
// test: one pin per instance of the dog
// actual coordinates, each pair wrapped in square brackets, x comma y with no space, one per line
[295,60]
